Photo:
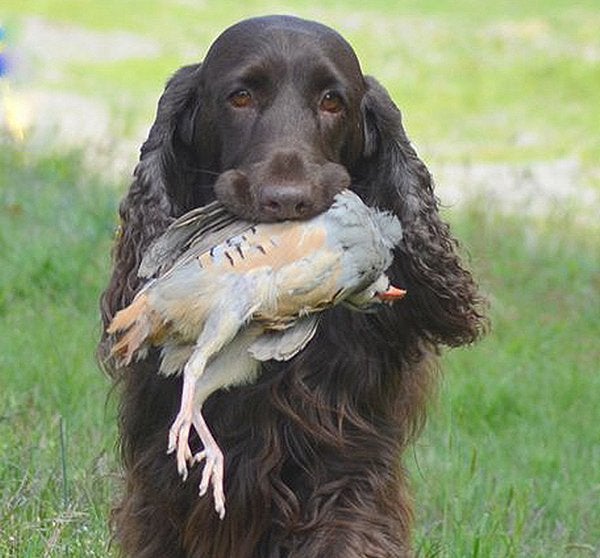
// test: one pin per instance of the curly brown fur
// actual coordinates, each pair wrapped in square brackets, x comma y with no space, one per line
[312,448]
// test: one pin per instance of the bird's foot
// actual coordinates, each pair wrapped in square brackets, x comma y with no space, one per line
[211,454]
[179,434]
[213,466]
[212,474]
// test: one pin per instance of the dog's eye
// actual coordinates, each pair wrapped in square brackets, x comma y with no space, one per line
[331,102]
[240,99]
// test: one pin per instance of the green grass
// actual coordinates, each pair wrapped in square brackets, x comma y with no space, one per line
[55,231]
[510,463]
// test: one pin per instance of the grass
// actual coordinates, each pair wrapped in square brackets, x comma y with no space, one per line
[509,463]
[55,231]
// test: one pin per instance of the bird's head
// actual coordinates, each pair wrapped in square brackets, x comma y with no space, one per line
[381,290]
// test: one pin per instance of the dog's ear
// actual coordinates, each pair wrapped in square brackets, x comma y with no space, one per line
[155,196]
[443,301]
[168,155]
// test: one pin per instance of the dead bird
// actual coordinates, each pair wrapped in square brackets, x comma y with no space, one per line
[225,294]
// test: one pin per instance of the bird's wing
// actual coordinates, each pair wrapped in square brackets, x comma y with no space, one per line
[284,344]
[194,232]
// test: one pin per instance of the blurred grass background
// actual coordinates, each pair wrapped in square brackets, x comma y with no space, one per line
[509,464]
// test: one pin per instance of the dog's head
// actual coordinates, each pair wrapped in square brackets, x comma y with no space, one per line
[272,117]
[286,95]
[275,121]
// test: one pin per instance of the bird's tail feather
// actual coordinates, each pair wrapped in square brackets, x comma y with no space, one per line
[132,326]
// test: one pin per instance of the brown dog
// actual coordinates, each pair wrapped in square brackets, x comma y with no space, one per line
[276,121]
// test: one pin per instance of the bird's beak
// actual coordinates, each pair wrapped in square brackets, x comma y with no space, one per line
[392,294]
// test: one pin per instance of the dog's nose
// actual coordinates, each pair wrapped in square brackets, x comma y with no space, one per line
[281,202]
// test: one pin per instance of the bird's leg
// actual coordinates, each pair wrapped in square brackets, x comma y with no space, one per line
[213,468]
[230,366]
[219,329]
[180,429]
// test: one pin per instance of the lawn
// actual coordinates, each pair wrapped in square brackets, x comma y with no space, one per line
[509,464]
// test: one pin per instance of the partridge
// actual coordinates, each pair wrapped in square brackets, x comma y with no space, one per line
[224,294]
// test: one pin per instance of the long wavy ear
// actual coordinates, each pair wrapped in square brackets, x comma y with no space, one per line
[154,197]
[170,155]
[443,303]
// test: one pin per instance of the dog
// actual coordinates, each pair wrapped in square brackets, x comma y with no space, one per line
[275,121]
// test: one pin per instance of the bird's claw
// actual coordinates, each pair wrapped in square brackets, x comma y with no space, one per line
[212,474]
[179,434]
[211,454]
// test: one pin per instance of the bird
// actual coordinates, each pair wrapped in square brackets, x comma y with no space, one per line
[224,294]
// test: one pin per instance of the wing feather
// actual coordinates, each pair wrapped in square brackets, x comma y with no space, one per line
[192,234]
[284,344]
